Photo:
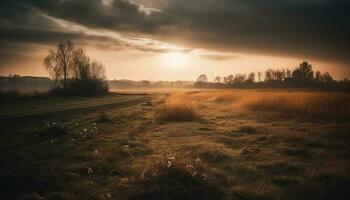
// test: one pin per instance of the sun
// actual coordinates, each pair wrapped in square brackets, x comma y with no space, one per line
[175,59]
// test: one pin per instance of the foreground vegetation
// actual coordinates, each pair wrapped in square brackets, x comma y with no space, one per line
[238,144]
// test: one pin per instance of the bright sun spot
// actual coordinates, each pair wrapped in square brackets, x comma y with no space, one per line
[175,59]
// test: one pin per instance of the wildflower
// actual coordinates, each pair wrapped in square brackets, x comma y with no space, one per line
[198,160]
[90,170]
[85,129]
[205,176]
[76,123]
[169,164]
[54,123]
[94,124]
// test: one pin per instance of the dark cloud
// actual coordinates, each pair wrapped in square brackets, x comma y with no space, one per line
[304,29]
[316,29]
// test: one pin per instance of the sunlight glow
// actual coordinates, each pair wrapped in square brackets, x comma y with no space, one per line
[175,59]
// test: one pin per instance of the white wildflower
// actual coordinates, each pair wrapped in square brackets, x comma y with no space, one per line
[205,176]
[169,164]
[198,160]
[90,171]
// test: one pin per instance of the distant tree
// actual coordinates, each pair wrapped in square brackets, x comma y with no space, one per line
[318,77]
[327,78]
[304,73]
[239,78]
[251,77]
[269,75]
[202,78]
[59,62]
[259,76]
[217,79]
[228,79]
[288,73]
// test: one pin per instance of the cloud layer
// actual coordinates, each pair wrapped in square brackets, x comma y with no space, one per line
[317,29]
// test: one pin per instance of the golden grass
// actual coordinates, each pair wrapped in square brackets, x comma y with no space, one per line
[303,104]
[179,107]
[329,106]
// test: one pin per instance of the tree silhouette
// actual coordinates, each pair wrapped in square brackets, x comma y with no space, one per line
[304,73]
[217,79]
[259,76]
[202,78]
[251,77]
[59,62]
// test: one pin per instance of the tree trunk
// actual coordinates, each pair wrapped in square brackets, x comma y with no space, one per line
[65,79]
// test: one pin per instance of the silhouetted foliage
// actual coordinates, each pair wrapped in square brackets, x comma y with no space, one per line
[301,77]
[79,74]
[202,78]
[304,73]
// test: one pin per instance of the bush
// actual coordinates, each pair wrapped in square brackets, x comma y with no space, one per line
[88,87]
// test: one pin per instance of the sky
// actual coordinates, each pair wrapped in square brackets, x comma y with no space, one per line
[178,39]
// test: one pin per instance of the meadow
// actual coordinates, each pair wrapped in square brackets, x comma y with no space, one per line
[193,144]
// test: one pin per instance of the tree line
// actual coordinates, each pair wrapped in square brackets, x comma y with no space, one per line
[74,72]
[302,76]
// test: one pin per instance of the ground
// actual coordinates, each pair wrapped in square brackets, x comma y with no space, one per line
[117,147]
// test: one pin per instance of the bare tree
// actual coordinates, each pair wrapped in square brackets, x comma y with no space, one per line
[59,62]
[97,71]
[259,76]
[81,65]
[251,77]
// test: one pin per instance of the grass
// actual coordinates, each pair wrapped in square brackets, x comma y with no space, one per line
[301,104]
[179,107]
[171,178]
[114,148]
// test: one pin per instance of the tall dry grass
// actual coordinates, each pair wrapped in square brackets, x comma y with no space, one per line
[179,107]
[311,105]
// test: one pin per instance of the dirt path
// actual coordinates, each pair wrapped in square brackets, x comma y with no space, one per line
[59,105]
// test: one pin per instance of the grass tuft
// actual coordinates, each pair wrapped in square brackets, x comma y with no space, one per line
[179,107]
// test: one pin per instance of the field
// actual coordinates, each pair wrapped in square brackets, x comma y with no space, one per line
[200,144]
